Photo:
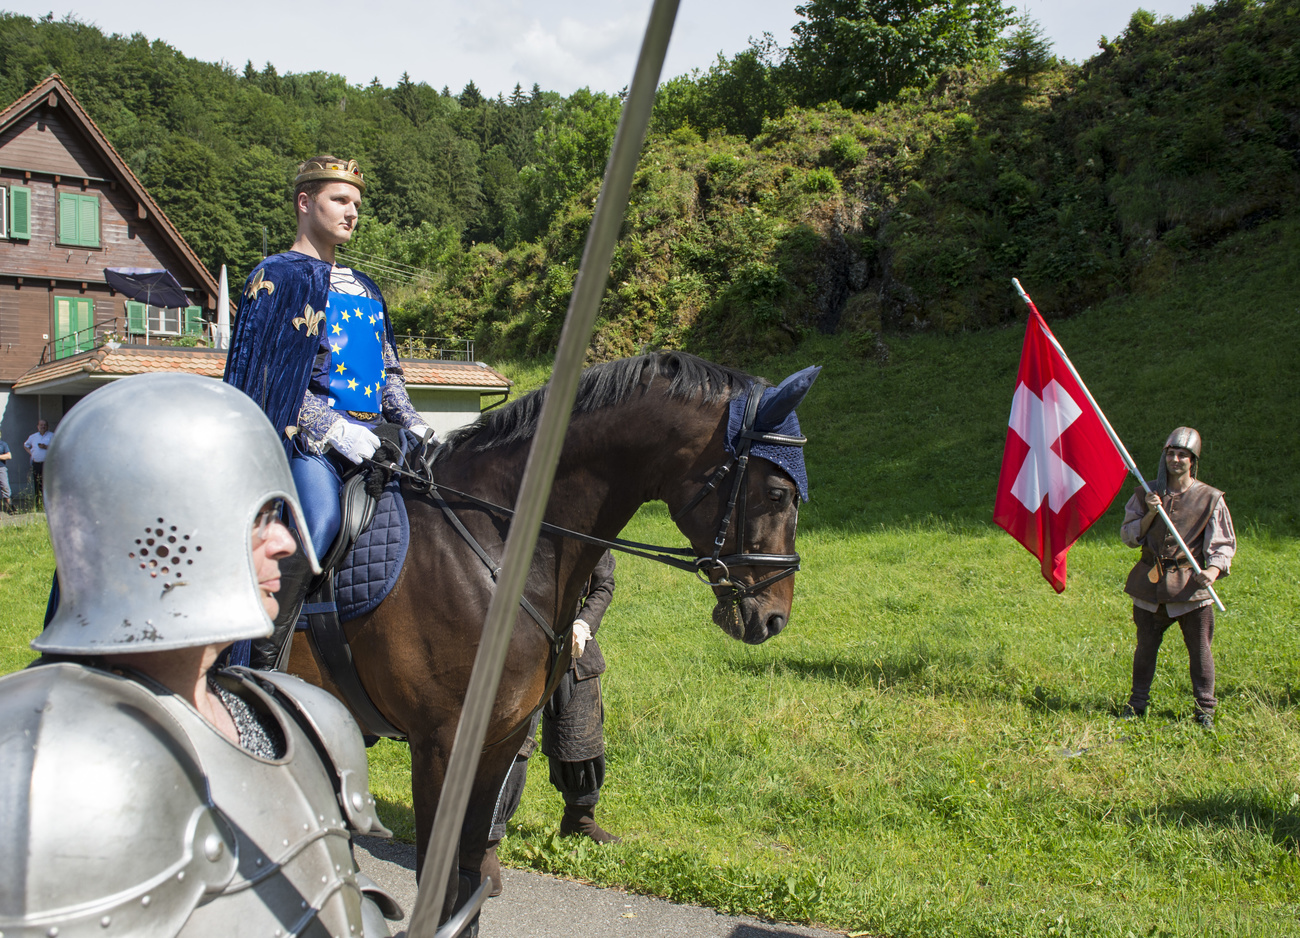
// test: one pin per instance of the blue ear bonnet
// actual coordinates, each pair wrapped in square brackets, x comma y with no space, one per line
[776,415]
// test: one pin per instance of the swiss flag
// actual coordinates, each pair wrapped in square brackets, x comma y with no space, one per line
[1060,469]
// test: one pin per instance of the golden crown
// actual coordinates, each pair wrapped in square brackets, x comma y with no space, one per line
[330,171]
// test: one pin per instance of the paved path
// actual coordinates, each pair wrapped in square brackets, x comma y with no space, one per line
[537,906]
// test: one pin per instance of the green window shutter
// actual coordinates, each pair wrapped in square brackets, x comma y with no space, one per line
[20,212]
[135,317]
[193,321]
[68,217]
[88,221]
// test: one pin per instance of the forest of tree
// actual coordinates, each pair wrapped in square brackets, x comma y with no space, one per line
[891,169]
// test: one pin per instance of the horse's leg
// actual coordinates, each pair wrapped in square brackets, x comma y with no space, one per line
[494,765]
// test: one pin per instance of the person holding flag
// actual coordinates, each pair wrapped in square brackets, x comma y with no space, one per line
[1164,587]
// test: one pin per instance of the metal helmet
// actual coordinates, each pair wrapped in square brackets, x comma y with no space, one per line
[1183,438]
[107,823]
[152,486]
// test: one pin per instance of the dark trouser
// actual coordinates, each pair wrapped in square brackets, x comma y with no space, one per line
[1198,633]
[574,715]
[38,480]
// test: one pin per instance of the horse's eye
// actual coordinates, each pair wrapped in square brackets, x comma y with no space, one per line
[777,495]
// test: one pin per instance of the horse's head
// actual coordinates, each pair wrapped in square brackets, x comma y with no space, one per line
[742,514]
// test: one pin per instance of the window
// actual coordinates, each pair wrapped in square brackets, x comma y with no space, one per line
[20,212]
[74,325]
[79,219]
[157,320]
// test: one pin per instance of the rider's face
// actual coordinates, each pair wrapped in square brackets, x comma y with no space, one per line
[331,216]
[271,543]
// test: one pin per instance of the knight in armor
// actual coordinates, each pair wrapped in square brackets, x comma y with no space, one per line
[573,732]
[144,791]
[1162,584]
[313,345]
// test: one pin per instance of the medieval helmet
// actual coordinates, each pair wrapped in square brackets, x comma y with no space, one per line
[152,488]
[1183,438]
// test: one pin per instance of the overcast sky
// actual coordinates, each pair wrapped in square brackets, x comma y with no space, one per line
[560,44]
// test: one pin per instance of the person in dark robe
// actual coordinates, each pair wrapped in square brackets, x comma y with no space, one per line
[573,732]
[1164,587]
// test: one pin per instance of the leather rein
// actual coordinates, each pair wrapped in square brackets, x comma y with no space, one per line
[705,568]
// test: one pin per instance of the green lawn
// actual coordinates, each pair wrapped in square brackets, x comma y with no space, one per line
[929,749]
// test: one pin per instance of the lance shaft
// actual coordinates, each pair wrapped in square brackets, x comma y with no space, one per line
[534,490]
[1119,446]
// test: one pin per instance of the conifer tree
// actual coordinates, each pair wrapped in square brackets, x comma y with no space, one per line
[1028,51]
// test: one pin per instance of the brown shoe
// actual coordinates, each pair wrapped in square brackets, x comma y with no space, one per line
[580,819]
[491,866]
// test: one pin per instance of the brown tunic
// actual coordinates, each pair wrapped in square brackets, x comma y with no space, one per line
[1175,582]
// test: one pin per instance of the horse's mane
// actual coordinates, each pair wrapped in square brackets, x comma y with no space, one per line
[604,385]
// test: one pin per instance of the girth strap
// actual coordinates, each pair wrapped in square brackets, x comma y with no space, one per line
[334,656]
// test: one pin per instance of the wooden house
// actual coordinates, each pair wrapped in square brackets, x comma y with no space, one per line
[71,207]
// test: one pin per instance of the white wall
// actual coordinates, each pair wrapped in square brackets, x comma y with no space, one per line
[446,409]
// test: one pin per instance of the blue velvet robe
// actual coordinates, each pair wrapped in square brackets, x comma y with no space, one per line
[277,334]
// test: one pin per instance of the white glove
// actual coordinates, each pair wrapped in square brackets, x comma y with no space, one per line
[425,433]
[581,635]
[352,440]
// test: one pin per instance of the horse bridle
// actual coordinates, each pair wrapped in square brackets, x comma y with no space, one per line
[716,564]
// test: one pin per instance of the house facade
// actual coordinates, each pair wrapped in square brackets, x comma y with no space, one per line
[69,208]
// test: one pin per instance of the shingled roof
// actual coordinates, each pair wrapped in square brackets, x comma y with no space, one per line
[81,374]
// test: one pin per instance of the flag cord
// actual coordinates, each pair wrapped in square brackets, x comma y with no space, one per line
[1119,445]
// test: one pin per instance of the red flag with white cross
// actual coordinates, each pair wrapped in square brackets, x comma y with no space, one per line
[1060,470]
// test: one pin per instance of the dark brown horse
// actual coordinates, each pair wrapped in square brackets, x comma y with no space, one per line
[643,429]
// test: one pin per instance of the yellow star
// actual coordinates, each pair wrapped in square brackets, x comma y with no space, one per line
[352,384]
[339,369]
[335,348]
[367,390]
[372,320]
[357,312]
[338,330]
[346,317]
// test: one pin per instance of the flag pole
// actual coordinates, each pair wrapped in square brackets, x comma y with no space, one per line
[1119,445]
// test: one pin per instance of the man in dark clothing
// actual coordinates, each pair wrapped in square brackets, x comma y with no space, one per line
[1162,584]
[573,734]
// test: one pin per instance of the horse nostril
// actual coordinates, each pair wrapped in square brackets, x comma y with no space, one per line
[775,623]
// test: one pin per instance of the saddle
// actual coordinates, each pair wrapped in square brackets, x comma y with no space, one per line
[357,572]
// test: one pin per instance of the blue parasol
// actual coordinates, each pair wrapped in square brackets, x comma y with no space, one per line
[148,285]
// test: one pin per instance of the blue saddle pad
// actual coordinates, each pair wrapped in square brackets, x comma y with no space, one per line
[368,573]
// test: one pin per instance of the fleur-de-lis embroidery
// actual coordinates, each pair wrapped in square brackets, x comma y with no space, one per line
[259,282]
[309,321]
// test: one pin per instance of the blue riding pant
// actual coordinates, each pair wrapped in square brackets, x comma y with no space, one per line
[319,485]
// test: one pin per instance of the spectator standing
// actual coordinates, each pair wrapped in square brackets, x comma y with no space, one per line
[5,456]
[37,446]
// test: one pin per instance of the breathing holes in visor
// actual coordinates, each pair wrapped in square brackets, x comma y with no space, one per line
[163,551]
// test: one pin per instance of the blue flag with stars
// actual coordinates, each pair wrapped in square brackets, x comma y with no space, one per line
[355,335]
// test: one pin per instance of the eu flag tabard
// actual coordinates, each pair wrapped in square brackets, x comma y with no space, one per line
[355,327]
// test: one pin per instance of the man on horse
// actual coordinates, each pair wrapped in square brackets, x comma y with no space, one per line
[147,791]
[313,345]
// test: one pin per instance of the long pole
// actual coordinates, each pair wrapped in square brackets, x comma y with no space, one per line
[539,473]
[1119,446]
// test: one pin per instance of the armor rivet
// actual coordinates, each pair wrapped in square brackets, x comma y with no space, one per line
[304,903]
[286,842]
[106,921]
[259,861]
[53,932]
[321,818]
[357,801]
[146,900]
[213,848]
[180,877]
[306,826]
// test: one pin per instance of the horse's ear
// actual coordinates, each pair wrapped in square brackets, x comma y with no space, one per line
[785,398]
